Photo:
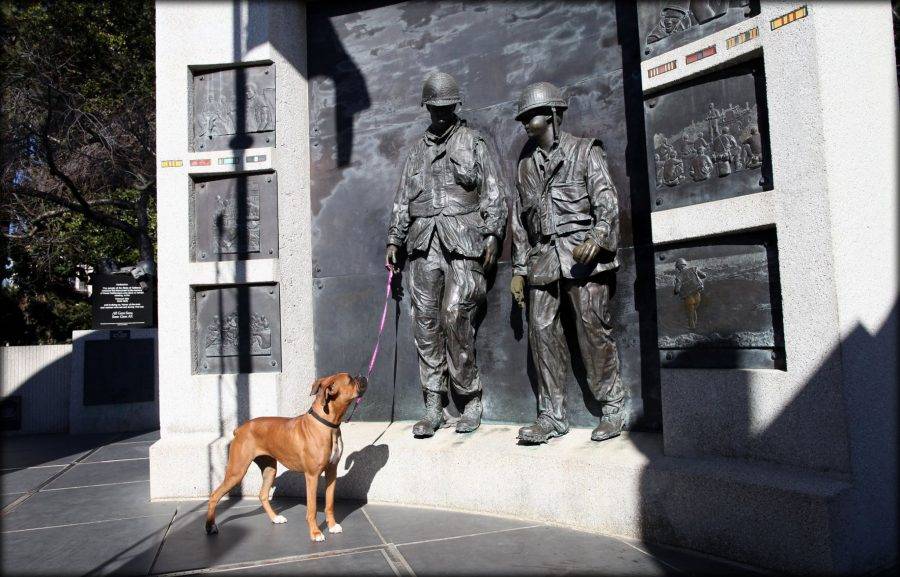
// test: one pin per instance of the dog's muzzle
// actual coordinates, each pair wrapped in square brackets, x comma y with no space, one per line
[362,383]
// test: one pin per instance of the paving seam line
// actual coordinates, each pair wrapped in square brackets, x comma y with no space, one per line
[9,508]
[117,460]
[652,556]
[398,557]
[83,523]
[97,485]
[162,542]
[390,562]
[372,523]
[276,561]
[471,535]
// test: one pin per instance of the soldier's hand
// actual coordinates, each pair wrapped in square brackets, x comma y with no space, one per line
[586,252]
[392,257]
[491,248]
[517,288]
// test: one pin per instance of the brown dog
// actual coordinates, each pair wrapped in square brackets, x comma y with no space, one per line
[310,444]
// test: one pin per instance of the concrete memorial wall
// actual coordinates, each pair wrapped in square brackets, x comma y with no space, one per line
[755,309]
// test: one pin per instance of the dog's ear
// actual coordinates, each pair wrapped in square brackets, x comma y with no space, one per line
[319,383]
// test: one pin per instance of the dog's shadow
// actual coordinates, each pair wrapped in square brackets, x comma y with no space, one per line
[355,476]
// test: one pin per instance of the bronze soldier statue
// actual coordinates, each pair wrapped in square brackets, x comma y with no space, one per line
[450,212]
[565,236]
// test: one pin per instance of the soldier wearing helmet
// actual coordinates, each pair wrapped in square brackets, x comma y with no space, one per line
[689,284]
[450,214]
[565,227]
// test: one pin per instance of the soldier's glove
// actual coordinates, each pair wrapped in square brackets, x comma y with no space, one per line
[517,288]
[586,252]
[491,248]
[392,257]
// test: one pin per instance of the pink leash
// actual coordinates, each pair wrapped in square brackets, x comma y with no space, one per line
[387,299]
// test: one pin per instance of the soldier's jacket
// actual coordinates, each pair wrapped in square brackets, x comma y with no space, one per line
[449,187]
[564,199]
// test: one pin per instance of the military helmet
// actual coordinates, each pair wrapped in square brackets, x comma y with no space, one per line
[440,89]
[538,95]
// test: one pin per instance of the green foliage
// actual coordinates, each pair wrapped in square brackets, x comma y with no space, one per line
[78,94]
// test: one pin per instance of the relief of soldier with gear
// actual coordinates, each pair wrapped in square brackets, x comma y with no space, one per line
[450,213]
[565,227]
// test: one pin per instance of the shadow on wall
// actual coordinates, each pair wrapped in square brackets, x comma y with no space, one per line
[862,531]
[351,97]
[36,383]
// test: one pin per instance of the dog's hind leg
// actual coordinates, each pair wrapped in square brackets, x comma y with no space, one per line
[239,459]
[268,465]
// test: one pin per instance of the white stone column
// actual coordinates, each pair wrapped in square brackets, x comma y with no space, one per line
[199,412]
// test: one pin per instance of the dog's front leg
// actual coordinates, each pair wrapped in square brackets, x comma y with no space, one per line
[330,478]
[312,481]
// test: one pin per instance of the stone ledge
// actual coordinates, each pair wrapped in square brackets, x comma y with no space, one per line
[769,516]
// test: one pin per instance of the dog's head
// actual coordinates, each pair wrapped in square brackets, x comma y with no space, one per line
[338,390]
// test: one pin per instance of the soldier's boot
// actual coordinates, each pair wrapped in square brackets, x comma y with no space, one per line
[610,426]
[538,432]
[434,416]
[471,415]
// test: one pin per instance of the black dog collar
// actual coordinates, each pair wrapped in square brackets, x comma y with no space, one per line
[322,420]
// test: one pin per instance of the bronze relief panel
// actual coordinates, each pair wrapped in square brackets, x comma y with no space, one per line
[718,303]
[234,217]
[233,108]
[708,140]
[667,24]
[237,329]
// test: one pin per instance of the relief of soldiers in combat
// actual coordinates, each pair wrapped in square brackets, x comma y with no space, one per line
[677,17]
[228,226]
[225,106]
[724,141]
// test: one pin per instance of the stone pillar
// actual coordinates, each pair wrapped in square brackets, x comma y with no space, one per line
[198,412]
[831,87]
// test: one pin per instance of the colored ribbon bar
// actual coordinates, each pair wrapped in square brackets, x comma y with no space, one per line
[700,54]
[661,69]
[785,19]
[741,38]
[201,162]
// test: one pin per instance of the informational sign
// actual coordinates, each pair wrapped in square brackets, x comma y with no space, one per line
[119,301]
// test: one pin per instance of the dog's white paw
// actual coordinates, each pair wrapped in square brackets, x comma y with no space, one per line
[318,538]
[336,529]
[279,519]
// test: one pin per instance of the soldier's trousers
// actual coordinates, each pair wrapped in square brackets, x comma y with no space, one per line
[590,302]
[445,291]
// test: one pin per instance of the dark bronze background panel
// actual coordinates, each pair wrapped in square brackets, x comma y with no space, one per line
[237,329]
[234,217]
[233,108]
[120,371]
[708,140]
[667,24]
[727,305]
[367,63]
